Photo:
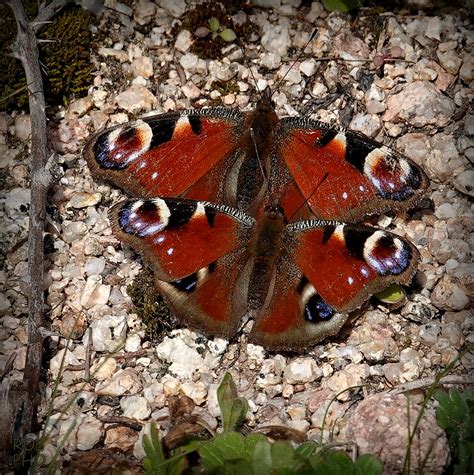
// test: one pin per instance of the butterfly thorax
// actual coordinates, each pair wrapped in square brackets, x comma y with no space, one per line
[253,172]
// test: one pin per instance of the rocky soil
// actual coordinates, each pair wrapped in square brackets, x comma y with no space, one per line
[407,82]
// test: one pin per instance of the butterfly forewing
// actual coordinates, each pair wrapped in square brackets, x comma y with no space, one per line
[165,155]
[344,176]
[179,237]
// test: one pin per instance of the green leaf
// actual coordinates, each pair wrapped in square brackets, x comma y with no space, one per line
[341,5]
[214,23]
[228,35]
[155,459]
[251,442]
[283,454]
[394,293]
[262,457]
[306,449]
[368,464]
[233,408]
[227,446]
[332,462]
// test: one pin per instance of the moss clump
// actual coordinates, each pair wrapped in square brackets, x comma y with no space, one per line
[66,60]
[198,17]
[150,306]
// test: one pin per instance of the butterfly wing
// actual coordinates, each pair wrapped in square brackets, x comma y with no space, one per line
[345,176]
[197,252]
[170,154]
[326,271]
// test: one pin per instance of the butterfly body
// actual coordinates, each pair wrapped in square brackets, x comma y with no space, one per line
[282,245]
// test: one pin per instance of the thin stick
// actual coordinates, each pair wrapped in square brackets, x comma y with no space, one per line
[25,48]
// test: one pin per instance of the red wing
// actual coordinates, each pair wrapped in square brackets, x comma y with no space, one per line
[344,175]
[211,300]
[165,155]
[347,263]
[328,270]
[179,237]
[295,315]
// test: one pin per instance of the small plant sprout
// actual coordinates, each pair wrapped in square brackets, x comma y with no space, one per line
[216,30]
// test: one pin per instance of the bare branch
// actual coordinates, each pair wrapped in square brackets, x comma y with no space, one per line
[25,48]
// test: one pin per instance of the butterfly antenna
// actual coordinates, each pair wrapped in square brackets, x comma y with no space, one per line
[300,54]
[258,155]
[247,63]
[309,197]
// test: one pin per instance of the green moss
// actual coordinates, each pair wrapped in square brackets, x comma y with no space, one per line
[223,11]
[150,306]
[65,61]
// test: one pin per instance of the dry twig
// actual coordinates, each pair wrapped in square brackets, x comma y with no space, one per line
[24,400]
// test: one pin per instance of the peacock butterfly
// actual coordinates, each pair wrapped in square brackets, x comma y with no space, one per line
[282,244]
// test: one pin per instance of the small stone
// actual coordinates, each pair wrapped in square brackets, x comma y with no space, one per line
[196,391]
[23,127]
[135,407]
[73,325]
[94,293]
[124,381]
[144,12]
[302,370]
[182,353]
[136,99]
[192,63]
[175,8]
[5,304]
[308,67]
[467,68]
[120,437]
[184,41]
[104,368]
[223,71]
[191,91]
[381,425]
[448,295]
[63,357]
[133,343]
[368,124]
[108,333]
[453,334]
[351,375]
[316,11]
[450,61]
[433,29]
[465,182]
[348,352]
[94,266]
[276,38]
[83,200]
[445,211]
[420,103]
[89,432]
[74,231]
[120,55]
[142,67]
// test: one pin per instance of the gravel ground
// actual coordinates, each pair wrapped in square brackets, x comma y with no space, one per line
[406,81]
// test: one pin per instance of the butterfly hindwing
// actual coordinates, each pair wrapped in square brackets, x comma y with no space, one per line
[327,270]
[348,263]
[211,300]
[294,315]
[166,154]
[345,176]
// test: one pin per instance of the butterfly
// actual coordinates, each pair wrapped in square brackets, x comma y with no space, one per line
[248,214]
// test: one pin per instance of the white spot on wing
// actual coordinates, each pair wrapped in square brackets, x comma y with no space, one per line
[182,124]
[339,232]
